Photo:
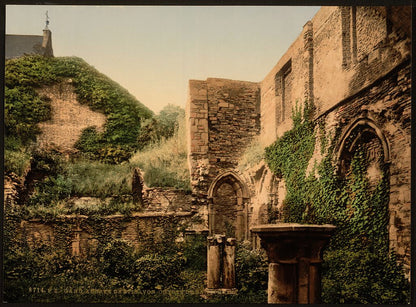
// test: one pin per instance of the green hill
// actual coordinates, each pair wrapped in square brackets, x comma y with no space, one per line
[24,109]
[132,134]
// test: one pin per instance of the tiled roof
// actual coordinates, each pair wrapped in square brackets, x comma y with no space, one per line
[18,45]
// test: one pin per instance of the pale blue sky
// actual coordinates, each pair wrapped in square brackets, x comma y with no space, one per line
[153,51]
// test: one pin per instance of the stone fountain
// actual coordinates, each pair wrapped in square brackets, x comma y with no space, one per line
[295,254]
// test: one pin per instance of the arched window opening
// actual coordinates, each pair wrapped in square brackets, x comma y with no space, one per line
[364,136]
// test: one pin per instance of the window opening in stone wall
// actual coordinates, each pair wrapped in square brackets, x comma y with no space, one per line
[287,91]
[349,35]
[283,87]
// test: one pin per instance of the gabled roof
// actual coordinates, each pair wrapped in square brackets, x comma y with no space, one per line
[19,45]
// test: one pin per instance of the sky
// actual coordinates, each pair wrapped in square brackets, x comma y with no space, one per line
[153,51]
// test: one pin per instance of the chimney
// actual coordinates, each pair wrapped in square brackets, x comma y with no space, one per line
[47,43]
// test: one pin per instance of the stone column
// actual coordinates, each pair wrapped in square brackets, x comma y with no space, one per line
[211,217]
[240,227]
[295,254]
[229,264]
[214,261]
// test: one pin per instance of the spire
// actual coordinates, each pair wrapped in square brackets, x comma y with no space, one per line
[46,21]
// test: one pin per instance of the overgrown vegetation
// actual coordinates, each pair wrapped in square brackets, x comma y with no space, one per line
[162,126]
[24,108]
[358,266]
[103,169]
[161,270]
[288,158]
[97,179]
[253,155]
[56,181]
[164,162]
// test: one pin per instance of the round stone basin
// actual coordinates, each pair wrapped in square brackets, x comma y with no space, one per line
[295,254]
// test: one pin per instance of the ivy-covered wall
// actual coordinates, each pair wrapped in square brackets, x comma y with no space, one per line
[357,87]
[81,235]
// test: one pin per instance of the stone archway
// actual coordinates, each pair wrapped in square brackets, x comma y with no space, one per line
[228,206]
[365,134]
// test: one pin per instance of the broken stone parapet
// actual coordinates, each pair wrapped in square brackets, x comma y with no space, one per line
[295,256]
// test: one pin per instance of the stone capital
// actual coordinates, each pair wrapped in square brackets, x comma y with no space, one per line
[230,242]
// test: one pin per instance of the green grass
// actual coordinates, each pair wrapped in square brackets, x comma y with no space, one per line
[16,161]
[253,155]
[94,178]
[165,163]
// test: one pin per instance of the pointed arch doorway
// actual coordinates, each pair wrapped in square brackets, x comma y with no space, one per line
[228,207]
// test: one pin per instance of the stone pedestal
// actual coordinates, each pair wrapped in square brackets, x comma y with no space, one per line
[295,256]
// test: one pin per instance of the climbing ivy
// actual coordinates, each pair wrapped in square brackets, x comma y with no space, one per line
[288,158]
[24,108]
[358,266]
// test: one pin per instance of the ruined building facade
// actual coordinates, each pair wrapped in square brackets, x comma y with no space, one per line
[353,63]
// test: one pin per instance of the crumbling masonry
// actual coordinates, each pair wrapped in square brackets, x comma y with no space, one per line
[353,63]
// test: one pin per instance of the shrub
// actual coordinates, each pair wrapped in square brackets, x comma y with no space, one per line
[48,162]
[17,162]
[156,271]
[169,119]
[251,269]
[48,191]
[362,277]
[162,126]
[118,259]
[195,252]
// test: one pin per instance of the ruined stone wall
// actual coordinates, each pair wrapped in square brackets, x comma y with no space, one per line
[339,52]
[387,106]
[166,200]
[233,119]
[223,118]
[13,185]
[81,235]
[353,63]
[69,118]
[371,29]
[286,85]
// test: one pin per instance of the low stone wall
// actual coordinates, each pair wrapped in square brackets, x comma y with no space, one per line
[81,235]
[166,199]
